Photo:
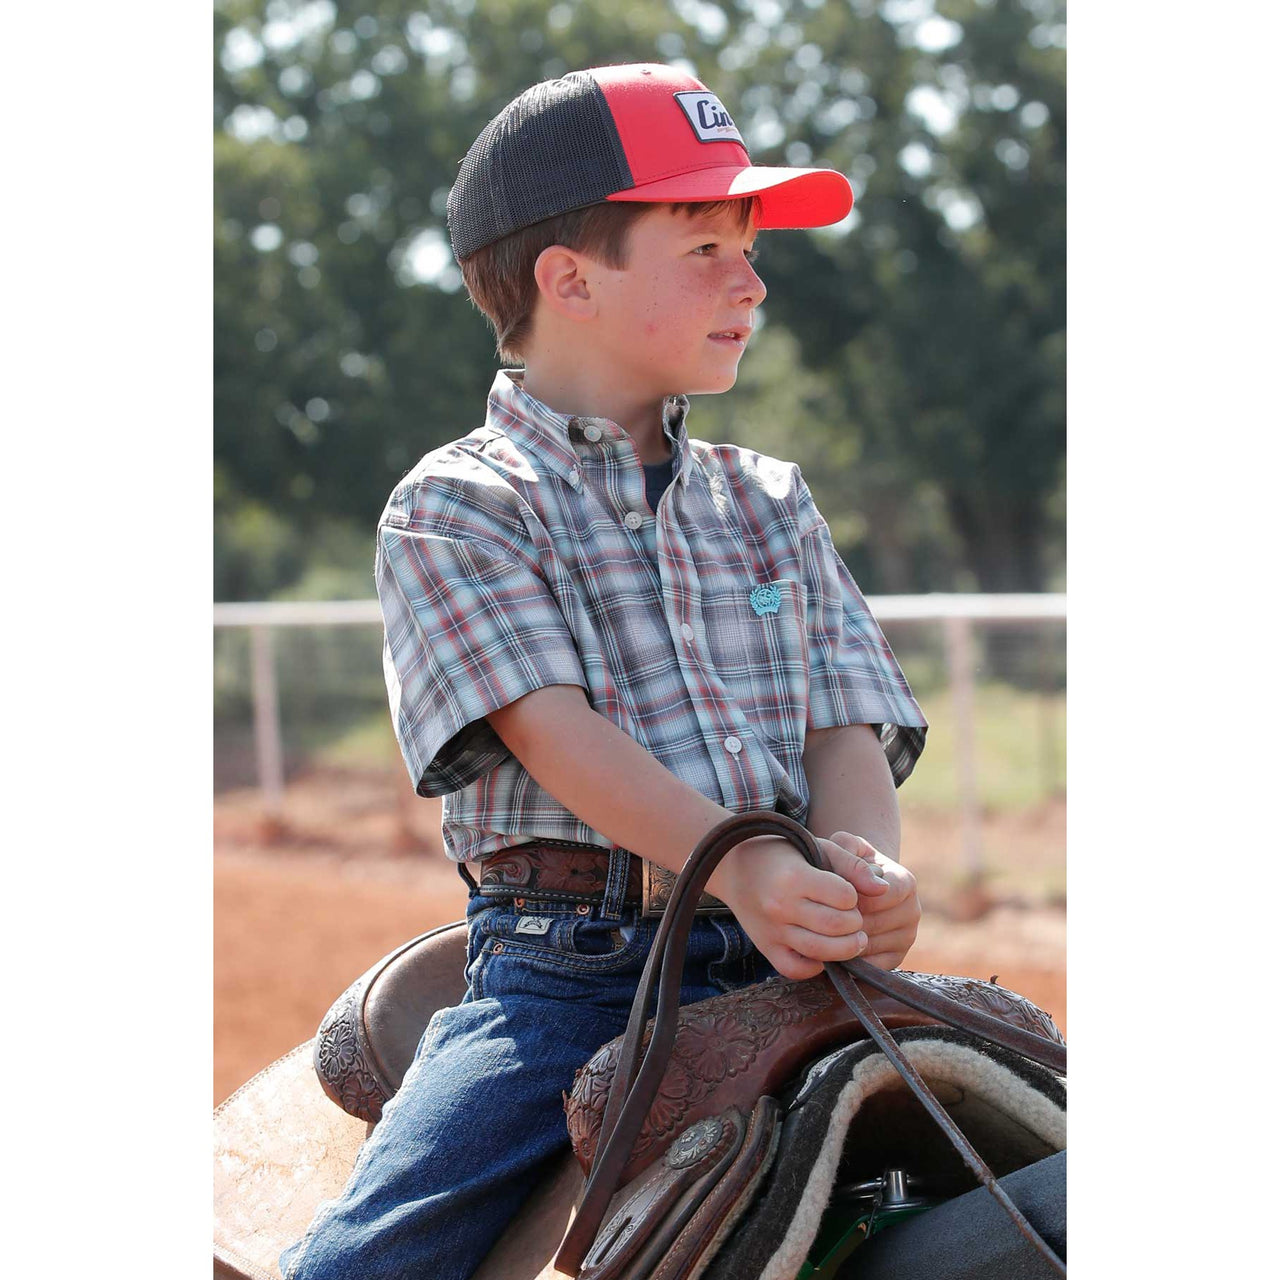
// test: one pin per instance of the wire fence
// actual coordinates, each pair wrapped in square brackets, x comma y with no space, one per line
[299,685]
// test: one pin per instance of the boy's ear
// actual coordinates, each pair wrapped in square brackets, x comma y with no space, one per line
[560,274]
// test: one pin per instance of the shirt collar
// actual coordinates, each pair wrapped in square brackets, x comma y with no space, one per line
[559,438]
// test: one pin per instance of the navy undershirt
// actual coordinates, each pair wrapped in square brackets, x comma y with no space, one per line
[656,479]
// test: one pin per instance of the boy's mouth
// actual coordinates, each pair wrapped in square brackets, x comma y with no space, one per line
[735,337]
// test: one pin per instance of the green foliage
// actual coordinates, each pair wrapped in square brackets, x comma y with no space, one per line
[329,682]
[1019,751]
[914,358]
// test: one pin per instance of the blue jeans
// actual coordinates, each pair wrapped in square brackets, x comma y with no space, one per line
[460,1146]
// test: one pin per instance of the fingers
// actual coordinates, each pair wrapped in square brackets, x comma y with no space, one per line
[791,964]
[888,957]
[822,947]
[855,844]
[797,952]
[854,860]
[886,951]
[900,887]
[899,911]
[887,947]
[816,917]
[865,905]
[890,912]
[803,954]
[831,888]
[901,895]
[854,872]
[888,931]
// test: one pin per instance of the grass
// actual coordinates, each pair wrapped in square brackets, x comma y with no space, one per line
[369,742]
[1020,748]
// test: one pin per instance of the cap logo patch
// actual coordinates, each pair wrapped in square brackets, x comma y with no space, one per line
[710,121]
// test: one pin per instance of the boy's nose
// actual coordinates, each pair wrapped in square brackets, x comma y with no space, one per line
[752,287]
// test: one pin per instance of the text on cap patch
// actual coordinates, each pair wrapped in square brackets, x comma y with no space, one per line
[711,122]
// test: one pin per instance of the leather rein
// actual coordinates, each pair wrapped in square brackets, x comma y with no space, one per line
[636,1082]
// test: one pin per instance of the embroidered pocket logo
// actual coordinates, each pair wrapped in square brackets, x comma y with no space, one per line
[766,598]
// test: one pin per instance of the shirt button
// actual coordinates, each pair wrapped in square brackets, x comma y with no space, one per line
[592,432]
[687,631]
[732,745]
[575,477]
[633,519]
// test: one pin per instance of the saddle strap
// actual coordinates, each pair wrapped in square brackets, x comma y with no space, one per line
[636,1082]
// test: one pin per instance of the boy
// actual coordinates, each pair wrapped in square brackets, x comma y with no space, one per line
[602,639]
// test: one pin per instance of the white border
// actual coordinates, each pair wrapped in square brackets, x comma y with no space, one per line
[106,524]
[1172,489]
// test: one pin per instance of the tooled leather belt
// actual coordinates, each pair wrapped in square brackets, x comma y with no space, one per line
[562,871]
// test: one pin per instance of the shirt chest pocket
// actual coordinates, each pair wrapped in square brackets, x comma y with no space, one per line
[759,647]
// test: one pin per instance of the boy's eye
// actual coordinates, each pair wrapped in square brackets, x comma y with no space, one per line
[751,254]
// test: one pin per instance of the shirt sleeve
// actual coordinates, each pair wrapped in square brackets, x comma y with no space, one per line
[853,676]
[471,627]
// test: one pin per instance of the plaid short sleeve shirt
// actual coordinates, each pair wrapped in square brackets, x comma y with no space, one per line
[715,632]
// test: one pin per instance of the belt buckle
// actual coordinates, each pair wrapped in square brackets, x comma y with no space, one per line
[656,885]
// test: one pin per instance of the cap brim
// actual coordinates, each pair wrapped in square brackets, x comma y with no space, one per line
[788,197]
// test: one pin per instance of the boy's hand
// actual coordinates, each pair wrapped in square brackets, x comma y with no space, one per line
[799,916]
[891,918]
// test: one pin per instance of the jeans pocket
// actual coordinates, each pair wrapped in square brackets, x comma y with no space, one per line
[563,936]
[740,964]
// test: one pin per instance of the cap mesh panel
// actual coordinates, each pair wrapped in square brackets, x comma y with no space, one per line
[555,148]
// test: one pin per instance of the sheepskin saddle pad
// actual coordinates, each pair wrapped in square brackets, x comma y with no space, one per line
[781,1137]
[852,1120]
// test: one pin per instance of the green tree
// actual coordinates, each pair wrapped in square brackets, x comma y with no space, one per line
[915,355]
[939,318]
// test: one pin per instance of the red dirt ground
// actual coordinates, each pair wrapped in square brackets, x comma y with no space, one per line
[357,869]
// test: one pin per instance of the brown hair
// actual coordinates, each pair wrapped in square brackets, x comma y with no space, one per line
[499,277]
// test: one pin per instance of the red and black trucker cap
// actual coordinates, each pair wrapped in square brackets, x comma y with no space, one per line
[643,132]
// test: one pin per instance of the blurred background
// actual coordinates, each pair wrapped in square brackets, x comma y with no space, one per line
[911,359]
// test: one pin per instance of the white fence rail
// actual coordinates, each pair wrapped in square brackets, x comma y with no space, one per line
[956,613]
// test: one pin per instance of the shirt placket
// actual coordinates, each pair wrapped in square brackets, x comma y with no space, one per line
[730,745]
[615,467]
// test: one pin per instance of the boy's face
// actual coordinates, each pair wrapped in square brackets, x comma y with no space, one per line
[686,279]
